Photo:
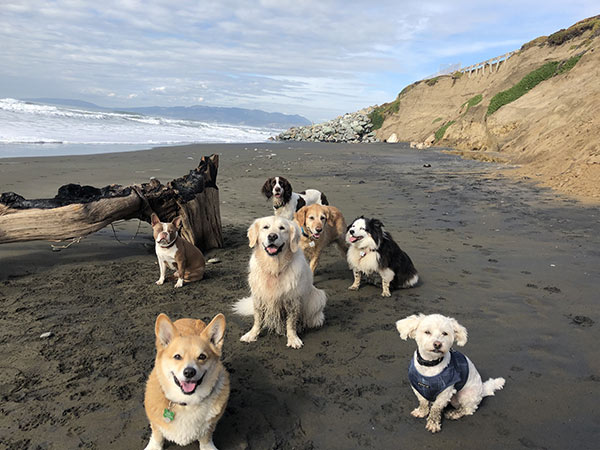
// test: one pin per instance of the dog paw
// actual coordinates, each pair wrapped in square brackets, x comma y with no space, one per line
[160,282]
[386,294]
[294,342]
[179,283]
[419,413]
[432,426]
[353,288]
[249,337]
[153,445]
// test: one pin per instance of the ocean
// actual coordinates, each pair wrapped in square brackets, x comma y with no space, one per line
[32,129]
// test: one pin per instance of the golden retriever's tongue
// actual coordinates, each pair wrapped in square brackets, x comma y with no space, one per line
[188,386]
[272,249]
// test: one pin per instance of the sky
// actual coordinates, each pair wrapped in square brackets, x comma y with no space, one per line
[319,59]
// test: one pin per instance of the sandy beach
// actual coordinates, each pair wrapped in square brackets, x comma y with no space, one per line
[517,264]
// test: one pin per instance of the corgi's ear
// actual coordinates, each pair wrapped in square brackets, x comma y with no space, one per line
[177,221]
[154,219]
[460,333]
[294,236]
[215,331]
[165,330]
[253,233]
[407,327]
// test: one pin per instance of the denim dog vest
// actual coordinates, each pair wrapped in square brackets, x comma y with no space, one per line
[455,373]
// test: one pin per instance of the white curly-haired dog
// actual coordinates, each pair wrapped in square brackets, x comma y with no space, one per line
[441,375]
[281,282]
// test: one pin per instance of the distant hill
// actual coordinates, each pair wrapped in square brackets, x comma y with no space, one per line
[232,116]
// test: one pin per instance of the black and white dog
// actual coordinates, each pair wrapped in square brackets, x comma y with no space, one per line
[285,201]
[372,250]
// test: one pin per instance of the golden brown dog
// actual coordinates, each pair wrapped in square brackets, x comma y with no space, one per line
[320,225]
[188,388]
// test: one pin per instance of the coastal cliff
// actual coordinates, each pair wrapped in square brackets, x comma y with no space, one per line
[537,109]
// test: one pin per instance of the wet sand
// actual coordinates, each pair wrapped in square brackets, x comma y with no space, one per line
[516,264]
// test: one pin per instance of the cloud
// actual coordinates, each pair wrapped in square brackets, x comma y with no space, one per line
[317,58]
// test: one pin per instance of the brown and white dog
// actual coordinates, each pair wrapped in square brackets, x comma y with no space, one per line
[283,296]
[320,226]
[174,251]
[188,389]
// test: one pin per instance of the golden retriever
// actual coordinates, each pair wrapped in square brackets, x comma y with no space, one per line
[320,226]
[281,283]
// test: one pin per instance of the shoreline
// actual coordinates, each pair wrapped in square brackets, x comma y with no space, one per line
[513,262]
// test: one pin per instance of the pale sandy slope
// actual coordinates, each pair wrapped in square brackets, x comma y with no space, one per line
[552,132]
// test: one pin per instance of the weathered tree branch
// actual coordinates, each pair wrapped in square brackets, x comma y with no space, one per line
[80,210]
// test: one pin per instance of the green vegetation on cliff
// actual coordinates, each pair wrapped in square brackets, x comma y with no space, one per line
[439,134]
[528,82]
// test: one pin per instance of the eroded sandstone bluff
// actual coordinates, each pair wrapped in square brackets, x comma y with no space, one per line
[351,127]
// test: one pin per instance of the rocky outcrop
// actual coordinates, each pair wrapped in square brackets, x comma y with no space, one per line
[352,127]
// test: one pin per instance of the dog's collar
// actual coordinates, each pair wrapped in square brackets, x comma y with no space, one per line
[170,244]
[365,252]
[428,363]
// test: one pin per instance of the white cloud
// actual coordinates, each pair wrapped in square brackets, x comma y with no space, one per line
[318,58]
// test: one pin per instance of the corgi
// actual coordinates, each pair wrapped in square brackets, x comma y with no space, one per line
[188,389]
[174,251]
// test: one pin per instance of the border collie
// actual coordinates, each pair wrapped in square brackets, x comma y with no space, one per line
[372,250]
[285,201]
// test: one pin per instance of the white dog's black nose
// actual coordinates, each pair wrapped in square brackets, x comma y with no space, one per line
[272,237]
[189,372]
[351,232]
[437,345]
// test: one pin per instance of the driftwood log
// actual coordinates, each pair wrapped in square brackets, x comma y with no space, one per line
[80,210]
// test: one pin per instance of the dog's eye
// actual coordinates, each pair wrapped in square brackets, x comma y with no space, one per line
[323,218]
[444,334]
[202,357]
[362,229]
[177,356]
[282,228]
[266,227]
[428,332]
[311,217]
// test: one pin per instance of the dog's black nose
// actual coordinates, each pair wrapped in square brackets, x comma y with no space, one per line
[272,237]
[437,345]
[189,372]
[351,232]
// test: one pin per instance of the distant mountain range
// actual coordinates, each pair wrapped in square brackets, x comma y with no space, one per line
[233,116]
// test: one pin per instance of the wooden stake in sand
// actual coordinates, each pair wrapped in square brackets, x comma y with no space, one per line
[80,210]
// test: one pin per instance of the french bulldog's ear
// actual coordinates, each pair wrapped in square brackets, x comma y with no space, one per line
[164,330]
[177,221]
[408,326]
[460,333]
[215,331]
[154,219]
[253,233]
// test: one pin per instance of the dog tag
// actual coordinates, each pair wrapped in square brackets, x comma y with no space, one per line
[312,244]
[168,415]
[362,254]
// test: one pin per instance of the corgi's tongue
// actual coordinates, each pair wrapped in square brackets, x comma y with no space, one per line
[272,249]
[188,386]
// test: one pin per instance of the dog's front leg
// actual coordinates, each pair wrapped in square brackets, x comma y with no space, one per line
[206,442]
[291,325]
[434,420]
[162,265]
[252,335]
[423,409]
[156,440]
[356,284]
[387,276]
